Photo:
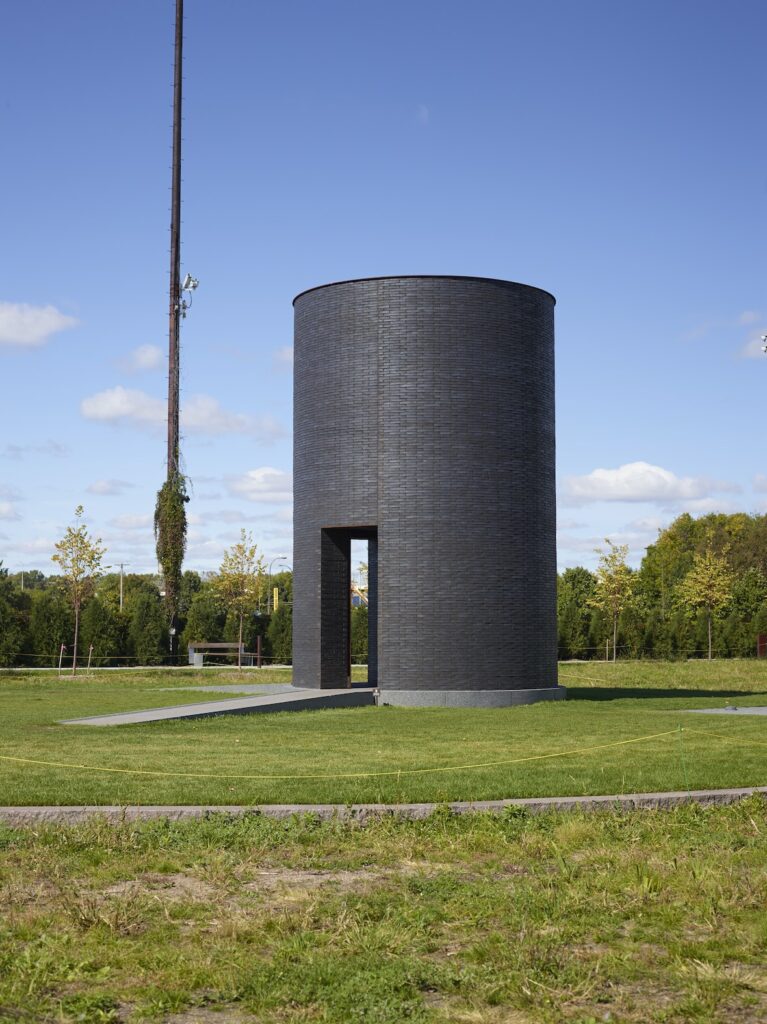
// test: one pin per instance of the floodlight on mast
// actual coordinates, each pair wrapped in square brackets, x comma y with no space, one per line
[188,285]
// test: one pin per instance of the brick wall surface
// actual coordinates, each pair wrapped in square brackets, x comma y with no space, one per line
[424,406]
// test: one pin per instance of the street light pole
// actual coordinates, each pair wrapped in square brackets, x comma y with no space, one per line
[122,564]
[278,558]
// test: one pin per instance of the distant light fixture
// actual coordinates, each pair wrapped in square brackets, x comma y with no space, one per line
[190,283]
[764,343]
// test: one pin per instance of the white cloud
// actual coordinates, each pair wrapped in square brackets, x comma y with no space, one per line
[283,358]
[200,414]
[572,551]
[754,348]
[31,547]
[8,510]
[648,524]
[108,487]
[232,515]
[264,484]
[30,326]
[760,483]
[204,549]
[702,506]
[748,317]
[145,357]
[124,405]
[131,522]
[16,452]
[638,482]
[8,492]
[570,524]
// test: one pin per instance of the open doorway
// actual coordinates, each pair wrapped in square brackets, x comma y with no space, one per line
[359,631]
[345,588]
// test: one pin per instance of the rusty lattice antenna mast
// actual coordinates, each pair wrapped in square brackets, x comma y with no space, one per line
[170,514]
[175,255]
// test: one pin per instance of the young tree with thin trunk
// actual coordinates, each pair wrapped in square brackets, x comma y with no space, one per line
[240,581]
[709,586]
[79,558]
[614,584]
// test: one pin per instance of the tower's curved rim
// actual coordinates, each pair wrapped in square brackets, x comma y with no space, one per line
[426,277]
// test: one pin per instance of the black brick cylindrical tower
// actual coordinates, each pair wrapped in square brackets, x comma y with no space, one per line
[424,422]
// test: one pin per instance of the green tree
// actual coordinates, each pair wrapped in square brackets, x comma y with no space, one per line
[78,556]
[614,585]
[279,635]
[359,634]
[574,588]
[240,581]
[29,579]
[708,587]
[148,629]
[205,619]
[50,624]
[749,593]
[191,584]
[11,620]
[170,538]
[101,630]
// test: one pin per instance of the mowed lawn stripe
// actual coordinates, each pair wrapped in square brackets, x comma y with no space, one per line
[384,739]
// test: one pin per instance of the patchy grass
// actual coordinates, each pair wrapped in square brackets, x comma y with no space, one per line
[608,704]
[635,917]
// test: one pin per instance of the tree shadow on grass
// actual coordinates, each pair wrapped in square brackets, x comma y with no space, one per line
[639,692]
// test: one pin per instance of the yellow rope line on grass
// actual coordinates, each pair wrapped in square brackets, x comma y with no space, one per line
[721,735]
[340,775]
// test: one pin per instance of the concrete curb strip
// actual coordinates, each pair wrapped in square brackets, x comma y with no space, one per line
[18,817]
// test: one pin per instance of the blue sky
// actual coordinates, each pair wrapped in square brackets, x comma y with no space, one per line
[612,153]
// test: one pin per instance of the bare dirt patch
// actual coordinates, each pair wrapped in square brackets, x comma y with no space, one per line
[20,894]
[170,887]
[226,1015]
[450,1009]
[358,880]
[296,883]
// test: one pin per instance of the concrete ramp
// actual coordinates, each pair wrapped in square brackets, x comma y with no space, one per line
[296,700]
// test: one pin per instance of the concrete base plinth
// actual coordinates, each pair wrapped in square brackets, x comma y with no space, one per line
[468,698]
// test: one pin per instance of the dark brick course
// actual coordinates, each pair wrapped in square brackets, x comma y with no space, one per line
[424,407]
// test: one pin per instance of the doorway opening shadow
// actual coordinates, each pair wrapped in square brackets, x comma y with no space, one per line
[335,605]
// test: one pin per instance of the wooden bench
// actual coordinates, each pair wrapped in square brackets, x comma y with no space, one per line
[215,651]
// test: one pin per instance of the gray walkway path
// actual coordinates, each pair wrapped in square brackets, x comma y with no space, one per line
[730,710]
[295,700]
[259,688]
[19,816]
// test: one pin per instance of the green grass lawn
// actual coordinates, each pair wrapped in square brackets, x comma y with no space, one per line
[607,704]
[631,918]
